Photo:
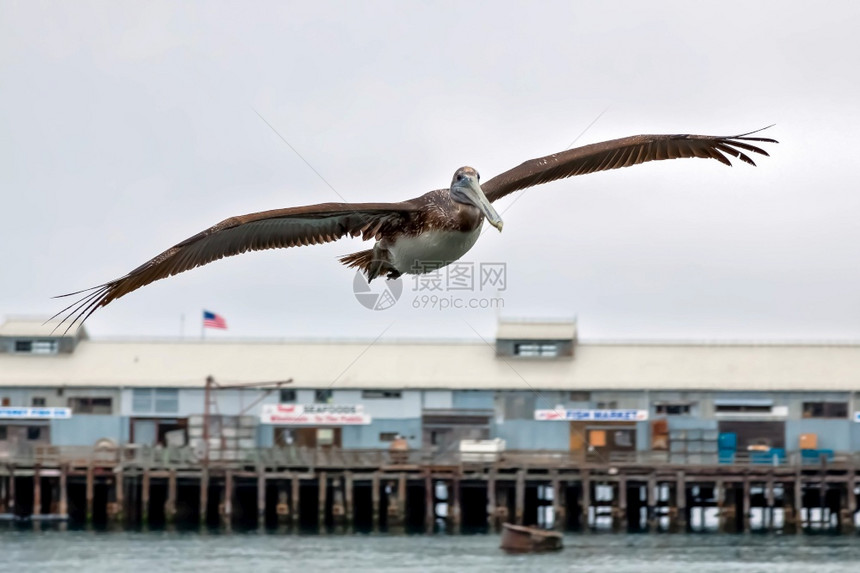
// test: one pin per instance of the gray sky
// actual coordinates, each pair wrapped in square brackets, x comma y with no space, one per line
[127,127]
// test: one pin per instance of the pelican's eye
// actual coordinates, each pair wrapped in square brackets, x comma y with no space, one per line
[479,176]
[459,177]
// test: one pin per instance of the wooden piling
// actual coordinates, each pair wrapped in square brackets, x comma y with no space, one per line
[322,497]
[37,490]
[429,503]
[338,512]
[850,503]
[651,496]
[798,503]
[119,496]
[375,499]
[454,500]
[745,521]
[295,504]
[492,522]
[585,505]
[619,521]
[170,502]
[349,508]
[204,494]
[520,497]
[680,502]
[261,497]
[557,508]
[227,499]
[770,496]
[90,492]
[283,509]
[401,498]
[64,491]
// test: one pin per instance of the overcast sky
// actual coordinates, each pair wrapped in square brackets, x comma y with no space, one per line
[129,126]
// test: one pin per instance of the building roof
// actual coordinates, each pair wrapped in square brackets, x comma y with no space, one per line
[616,366]
[30,327]
[536,330]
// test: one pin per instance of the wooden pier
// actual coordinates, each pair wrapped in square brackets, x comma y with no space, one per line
[373,490]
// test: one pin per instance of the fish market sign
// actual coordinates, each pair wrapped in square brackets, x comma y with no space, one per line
[314,415]
[565,415]
[35,413]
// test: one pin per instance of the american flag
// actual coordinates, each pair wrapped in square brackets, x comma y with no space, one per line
[212,320]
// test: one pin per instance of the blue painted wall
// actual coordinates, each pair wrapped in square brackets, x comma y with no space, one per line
[367,437]
[474,399]
[832,434]
[86,430]
[533,435]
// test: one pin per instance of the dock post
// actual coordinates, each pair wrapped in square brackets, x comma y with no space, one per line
[770,496]
[561,516]
[170,503]
[37,490]
[619,513]
[322,498]
[294,501]
[492,522]
[375,499]
[64,491]
[745,526]
[401,498]
[338,512]
[119,496]
[652,503]
[557,507]
[681,502]
[283,508]
[261,497]
[348,490]
[851,502]
[520,497]
[429,505]
[144,497]
[227,499]
[204,494]
[90,492]
[455,504]
[798,503]
[585,508]
[720,496]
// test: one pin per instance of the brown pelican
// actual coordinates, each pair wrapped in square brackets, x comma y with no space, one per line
[413,236]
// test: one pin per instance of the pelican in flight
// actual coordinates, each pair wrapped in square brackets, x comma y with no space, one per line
[414,236]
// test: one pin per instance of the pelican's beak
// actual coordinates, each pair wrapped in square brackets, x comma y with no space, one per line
[476,195]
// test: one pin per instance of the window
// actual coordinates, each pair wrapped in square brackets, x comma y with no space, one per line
[610,405]
[36,346]
[374,394]
[288,396]
[166,400]
[670,409]
[825,409]
[323,396]
[536,350]
[5,402]
[387,436]
[34,433]
[325,436]
[38,402]
[579,396]
[4,433]
[91,405]
[743,408]
[141,400]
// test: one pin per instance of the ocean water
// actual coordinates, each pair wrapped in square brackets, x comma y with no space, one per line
[163,551]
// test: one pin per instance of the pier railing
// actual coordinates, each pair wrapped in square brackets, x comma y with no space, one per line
[338,458]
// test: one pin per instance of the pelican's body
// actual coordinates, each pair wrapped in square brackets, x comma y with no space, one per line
[414,236]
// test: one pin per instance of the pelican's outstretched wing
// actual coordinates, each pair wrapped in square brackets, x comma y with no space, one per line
[276,229]
[622,153]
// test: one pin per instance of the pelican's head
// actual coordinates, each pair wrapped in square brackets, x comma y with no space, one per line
[466,189]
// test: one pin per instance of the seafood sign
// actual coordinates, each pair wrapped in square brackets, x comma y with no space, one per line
[568,415]
[314,415]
